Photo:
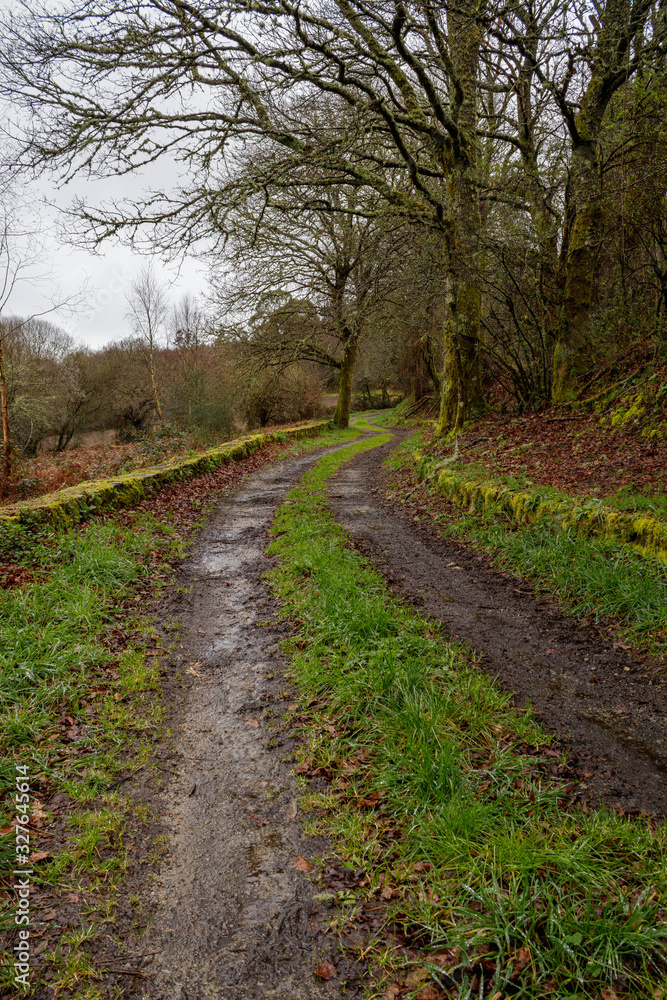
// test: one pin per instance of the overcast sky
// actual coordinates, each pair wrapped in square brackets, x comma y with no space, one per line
[100,315]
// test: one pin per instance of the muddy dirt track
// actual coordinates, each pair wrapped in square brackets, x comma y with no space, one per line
[234,918]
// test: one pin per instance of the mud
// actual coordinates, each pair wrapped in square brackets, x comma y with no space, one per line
[606,707]
[234,918]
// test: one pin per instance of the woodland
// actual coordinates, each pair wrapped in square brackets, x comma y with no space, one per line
[464,202]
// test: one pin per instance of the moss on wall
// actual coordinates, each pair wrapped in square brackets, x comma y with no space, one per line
[67,506]
[591,517]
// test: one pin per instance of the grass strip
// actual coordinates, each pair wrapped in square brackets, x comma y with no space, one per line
[444,797]
[597,578]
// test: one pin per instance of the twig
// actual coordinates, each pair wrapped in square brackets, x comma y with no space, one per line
[126,972]
[127,778]
[148,954]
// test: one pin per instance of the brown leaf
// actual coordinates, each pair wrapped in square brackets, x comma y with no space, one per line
[428,993]
[387,892]
[257,820]
[39,855]
[326,970]
[252,722]
[416,977]
[392,992]
[301,864]
[521,960]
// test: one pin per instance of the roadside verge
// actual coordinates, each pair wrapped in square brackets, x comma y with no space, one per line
[592,517]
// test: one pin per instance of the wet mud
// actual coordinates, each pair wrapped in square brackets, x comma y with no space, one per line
[607,707]
[233,917]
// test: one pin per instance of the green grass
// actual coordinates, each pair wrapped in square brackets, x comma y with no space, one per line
[649,501]
[592,578]
[525,895]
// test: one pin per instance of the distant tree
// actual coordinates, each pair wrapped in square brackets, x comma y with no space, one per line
[190,332]
[20,261]
[148,315]
[304,275]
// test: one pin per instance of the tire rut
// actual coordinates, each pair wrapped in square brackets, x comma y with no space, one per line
[234,919]
[606,708]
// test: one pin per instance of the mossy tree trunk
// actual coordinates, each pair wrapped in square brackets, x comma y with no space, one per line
[572,349]
[461,394]
[612,62]
[341,417]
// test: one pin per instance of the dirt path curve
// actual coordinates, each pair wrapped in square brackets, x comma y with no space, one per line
[606,708]
[234,919]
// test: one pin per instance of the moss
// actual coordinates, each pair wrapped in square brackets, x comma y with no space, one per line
[642,411]
[70,505]
[592,517]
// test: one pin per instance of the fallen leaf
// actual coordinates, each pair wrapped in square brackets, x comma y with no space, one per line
[257,820]
[416,977]
[428,993]
[39,855]
[521,960]
[252,722]
[392,992]
[387,892]
[326,970]
[301,864]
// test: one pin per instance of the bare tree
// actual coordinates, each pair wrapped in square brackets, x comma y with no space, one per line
[425,95]
[407,73]
[20,261]
[148,314]
[305,282]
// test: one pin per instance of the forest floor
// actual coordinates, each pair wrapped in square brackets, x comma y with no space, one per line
[477,800]
[580,454]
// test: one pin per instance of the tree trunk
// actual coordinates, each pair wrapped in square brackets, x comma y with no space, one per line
[341,417]
[461,387]
[622,24]
[6,442]
[153,380]
[572,351]
[461,394]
